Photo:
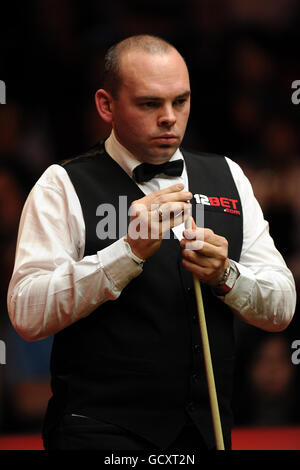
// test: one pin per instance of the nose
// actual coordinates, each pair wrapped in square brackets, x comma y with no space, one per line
[167,117]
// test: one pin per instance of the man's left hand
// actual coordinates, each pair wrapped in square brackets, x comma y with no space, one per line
[205,254]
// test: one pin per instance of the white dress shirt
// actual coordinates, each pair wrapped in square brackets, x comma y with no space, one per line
[54,284]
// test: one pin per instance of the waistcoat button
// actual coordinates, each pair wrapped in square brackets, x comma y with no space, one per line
[195,377]
[191,406]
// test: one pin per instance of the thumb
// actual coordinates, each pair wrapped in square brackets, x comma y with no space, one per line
[194,226]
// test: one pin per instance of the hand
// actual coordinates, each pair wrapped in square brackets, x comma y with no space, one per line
[205,254]
[153,215]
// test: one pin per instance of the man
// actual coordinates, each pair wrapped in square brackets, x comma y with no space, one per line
[127,365]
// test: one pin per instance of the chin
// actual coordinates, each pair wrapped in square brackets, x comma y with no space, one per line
[159,154]
[166,151]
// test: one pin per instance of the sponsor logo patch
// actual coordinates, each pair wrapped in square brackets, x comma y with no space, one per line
[223,203]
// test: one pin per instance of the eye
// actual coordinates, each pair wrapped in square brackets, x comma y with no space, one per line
[150,104]
[180,102]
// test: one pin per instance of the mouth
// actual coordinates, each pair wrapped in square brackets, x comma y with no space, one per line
[167,139]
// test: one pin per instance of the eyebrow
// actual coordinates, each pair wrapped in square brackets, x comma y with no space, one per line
[186,94]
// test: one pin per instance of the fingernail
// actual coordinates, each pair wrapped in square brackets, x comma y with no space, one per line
[189,234]
[194,245]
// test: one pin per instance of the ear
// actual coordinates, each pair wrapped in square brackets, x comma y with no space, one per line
[103,102]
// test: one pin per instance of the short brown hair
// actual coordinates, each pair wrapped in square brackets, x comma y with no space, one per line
[147,43]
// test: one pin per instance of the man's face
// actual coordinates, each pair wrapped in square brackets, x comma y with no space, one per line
[150,114]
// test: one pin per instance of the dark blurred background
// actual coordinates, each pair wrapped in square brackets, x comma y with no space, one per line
[243,58]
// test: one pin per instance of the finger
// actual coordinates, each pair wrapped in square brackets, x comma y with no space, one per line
[205,234]
[204,249]
[192,232]
[177,215]
[194,226]
[194,245]
[182,196]
[204,273]
[170,189]
[194,258]
[213,258]
[163,196]
[170,209]
[175,188]
[209,271]
[167,225]
[171,193]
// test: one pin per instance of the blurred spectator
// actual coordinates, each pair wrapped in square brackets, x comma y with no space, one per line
[280,143]
[26,383]
[12,198]
[271,14]
[268,395]
[24,148]
[24,379]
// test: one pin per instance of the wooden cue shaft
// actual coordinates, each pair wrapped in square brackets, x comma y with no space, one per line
[207,361]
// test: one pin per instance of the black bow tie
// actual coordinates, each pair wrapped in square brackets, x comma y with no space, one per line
[147,171]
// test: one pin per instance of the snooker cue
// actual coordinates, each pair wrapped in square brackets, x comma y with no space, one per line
[207,360]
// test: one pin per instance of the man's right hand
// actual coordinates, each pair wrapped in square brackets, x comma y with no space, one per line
[155,214]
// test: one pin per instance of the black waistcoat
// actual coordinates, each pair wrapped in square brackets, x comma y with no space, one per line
[137,361]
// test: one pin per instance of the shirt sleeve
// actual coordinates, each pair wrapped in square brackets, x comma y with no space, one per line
[53,283]
[264,294]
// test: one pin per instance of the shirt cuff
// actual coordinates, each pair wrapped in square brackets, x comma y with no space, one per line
[120,264]
[239,298]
